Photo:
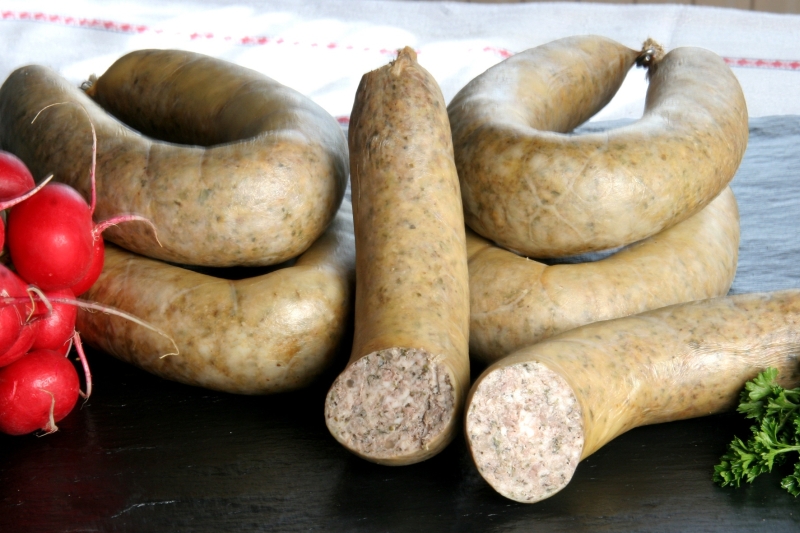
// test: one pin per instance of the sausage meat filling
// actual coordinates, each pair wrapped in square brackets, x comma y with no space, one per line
[525,431]
[391,402]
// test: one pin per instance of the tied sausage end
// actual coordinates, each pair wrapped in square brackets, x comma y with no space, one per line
[652,52]
[394,406]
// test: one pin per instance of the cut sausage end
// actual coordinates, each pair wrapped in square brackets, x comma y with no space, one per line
[525,431]
[393,406]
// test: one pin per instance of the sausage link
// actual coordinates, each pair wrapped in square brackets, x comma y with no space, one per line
[270,333]
[400,399]
[534,189]
[262,179]
[516,302]
[532,416]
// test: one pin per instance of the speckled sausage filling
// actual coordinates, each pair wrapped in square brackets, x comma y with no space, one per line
[525,431]
[391,402]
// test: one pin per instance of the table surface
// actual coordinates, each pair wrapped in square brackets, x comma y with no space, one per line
[145,454]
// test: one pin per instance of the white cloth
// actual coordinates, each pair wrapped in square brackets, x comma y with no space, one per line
[322,48]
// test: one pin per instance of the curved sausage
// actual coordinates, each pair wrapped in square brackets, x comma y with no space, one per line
[532,416]
[400,399]
[533,188]
[265,334]
[263,179]
[516,302]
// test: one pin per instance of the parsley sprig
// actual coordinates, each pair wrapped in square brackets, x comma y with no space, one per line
[775,436]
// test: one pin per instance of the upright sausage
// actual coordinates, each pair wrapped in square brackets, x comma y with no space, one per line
[532,416]
[533,188]
[262,179]
[400,398]
[516,302]
[265,334]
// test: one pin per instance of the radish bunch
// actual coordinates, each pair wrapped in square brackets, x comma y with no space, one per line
[51,242]
[57,254]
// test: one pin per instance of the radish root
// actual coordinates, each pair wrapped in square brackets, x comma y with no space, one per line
[91,306]
[51,426]
[38,292]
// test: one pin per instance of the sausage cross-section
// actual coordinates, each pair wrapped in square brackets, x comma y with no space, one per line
[400,399]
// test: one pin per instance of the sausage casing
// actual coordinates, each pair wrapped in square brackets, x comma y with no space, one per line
[516,302]
[533,188]
[400,398]
[532,416]
[259,335]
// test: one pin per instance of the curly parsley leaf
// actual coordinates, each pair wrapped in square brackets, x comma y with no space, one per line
[775,435]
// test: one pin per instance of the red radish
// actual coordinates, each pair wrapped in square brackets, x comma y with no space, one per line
[53,240]
[12,316]
[57,248]
[36,392]
[22,345]
[56,329]
[95,268]
[50,237]
[15,178]
[23,310]
[12,188]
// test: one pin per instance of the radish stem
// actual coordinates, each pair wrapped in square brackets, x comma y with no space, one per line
[18,199]
[93,203]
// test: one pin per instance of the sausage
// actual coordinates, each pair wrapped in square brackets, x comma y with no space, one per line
[400,399]
[260,174]
[516,302]
[533,188]
[265,334]
[532,416]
